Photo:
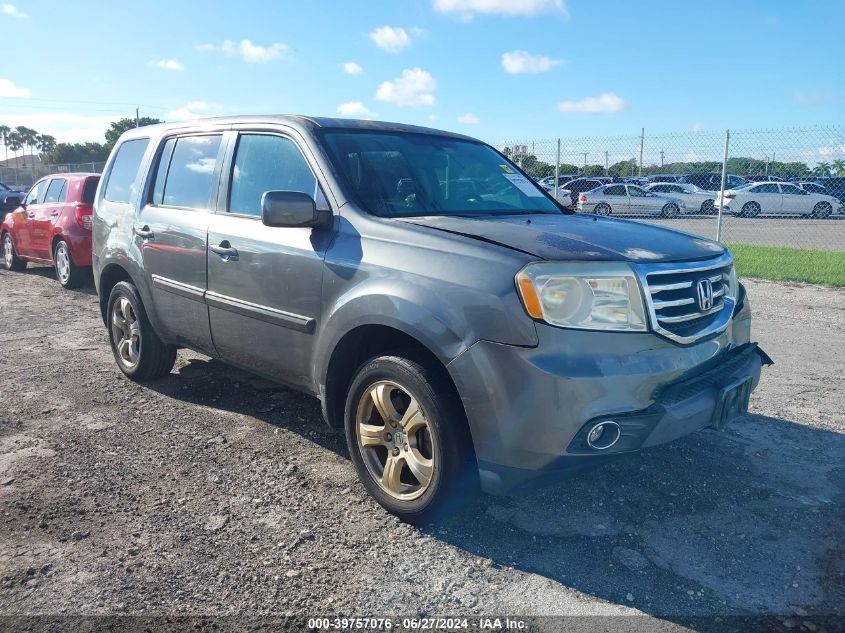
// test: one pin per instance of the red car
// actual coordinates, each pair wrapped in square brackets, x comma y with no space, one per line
[53,226]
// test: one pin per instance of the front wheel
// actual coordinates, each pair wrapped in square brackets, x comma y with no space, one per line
[670,210]
[603,209]
[69,274]
[822,210]
[750,210]
[10,257]
[408,438]
[138,350]
[708,207]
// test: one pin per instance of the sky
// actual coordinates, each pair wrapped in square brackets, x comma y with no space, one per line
[493,69]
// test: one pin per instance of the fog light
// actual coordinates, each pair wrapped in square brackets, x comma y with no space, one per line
[603,435]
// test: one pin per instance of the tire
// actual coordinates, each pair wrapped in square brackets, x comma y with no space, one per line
[708,207]
[432,469]
[137,349]
[10,257]
[69,274]
[822,210]
[750,210]
[603,209]
[670,210]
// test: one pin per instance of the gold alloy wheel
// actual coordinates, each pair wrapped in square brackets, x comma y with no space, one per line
[395,440]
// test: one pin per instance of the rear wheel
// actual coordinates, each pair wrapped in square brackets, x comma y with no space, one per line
[708,207]
[603,209]
[822,210]
[10,257]
[670,210]
[750,210]
[408,438]
[138,350]
[69,274]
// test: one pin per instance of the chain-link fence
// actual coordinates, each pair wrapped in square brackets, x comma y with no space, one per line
[778,195]
[22,176]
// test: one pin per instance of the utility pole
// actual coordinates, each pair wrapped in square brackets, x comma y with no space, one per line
[642,142]
[585,159]
[137,119]
[661,159]
[606,168]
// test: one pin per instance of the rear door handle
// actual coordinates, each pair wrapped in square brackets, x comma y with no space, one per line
[54,212]
[225,250]
[145,233]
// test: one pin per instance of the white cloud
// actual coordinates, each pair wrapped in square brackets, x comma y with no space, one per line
[391,39]
[191,110]
[355,109]
[167,64]
[415,87]
[12,10]
[468,119]
[351,68]
[695,127]
[467,9]
[8,89]
[607,102]
[524,63]
[249,52]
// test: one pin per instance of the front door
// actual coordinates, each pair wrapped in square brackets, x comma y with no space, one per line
[42,224]
[264,283]
[171,232]
[768,197]
[32,208]
[639,202]
[796,200]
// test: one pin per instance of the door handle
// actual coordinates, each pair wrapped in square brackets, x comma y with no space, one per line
[144,233]
[31,214]
[54,212]
[225,250]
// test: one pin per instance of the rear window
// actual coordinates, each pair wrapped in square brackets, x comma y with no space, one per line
[120,180]
[90,190]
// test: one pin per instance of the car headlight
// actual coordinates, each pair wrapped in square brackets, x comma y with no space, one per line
[589,296]
[731,286]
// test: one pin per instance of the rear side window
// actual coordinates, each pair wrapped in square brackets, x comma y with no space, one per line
[56,191]
[120,183]
[615,190]
[90,190]
[190,176]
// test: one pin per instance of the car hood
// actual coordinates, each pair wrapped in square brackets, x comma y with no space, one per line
[578,237]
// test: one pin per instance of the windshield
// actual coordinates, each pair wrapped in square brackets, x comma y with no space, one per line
[4,187]
[402,175]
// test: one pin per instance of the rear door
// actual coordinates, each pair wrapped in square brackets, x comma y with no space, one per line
[768,196]
[171,233]
[264,283]
[617,198]
[45,217]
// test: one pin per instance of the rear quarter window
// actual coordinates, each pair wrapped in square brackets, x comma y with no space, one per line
[120,181]
[89,190]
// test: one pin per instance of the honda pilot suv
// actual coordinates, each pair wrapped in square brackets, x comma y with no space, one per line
[463,329]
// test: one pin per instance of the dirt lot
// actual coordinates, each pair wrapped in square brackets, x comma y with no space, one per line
[213,492]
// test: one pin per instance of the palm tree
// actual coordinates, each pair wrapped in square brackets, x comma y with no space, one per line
[15,144]
[4,136]
[822,169]
[45,143]
[28,136]
[839,167]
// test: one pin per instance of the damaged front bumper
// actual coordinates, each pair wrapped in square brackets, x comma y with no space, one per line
[530,410]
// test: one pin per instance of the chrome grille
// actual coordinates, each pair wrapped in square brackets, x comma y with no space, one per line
[690,300]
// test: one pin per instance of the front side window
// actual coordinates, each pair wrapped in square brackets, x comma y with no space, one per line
[120,183]
[615,190]
[36,194]
[767,188]
[407,174]
[190,176]
[793,190]
[636,192]
[268,163]
[56,191]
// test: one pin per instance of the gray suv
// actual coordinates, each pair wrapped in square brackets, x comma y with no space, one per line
[464,330]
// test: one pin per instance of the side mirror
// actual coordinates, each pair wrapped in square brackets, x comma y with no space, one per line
[292,209]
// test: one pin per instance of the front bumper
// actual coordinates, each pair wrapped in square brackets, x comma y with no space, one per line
[529,409]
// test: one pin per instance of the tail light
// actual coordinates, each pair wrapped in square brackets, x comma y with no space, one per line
[582,198]
[85,216]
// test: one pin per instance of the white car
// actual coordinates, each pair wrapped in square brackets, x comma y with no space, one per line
[776,197]
[622,198]
[697,200]
[564,196]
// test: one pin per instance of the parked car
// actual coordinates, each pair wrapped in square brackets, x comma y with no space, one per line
[564,197]
[461,338]
[9,199]
[549,181]
[619,198]
[713,181]
[835,186]
[776,197]
[696,200]
[577,186]
[53,226]
[664,178]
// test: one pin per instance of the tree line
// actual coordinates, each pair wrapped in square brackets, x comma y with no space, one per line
[28,141]
[737,165]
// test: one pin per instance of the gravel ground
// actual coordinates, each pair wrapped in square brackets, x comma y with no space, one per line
[213,492]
